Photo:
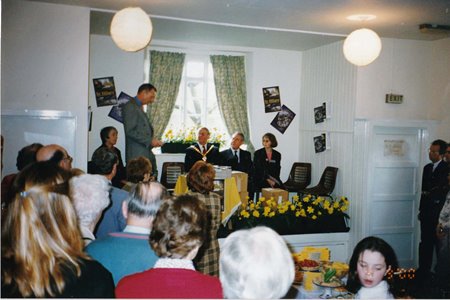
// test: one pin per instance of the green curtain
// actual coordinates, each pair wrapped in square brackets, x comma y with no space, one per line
[229,79]
[166,69]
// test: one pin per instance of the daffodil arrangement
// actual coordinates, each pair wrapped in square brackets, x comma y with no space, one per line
[290,215]
[189,136]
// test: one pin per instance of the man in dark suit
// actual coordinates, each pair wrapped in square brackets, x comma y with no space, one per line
[202,150]
[434,190]
[139,139]
[239,159]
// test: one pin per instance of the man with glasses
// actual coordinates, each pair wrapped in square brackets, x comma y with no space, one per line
[56,154]
[434,187]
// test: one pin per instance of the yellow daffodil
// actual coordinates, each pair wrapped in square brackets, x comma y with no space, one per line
[310,210]
[330,210]
[256,214]
[292,207]
[272,214]
[314,217]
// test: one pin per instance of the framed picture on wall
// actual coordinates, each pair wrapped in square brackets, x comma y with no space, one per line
[320,143]
[283,119]
[105,91]
[116,110]
[272,101]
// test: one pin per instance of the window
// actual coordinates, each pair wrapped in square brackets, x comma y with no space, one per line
[196,104]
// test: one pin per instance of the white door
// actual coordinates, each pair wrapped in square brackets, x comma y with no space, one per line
[394,176]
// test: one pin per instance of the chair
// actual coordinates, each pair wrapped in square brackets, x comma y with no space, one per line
[326,184]
[299,177]
[170,173]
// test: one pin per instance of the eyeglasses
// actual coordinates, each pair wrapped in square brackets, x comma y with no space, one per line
[429,150]
[69,158]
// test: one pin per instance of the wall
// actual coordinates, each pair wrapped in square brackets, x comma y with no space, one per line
[45,54]
[261,70]
[419,70]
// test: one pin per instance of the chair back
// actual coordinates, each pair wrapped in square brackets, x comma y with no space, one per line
[300,174]
[328,179]
[170,173]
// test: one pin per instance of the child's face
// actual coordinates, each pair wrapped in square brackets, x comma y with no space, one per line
[371,268]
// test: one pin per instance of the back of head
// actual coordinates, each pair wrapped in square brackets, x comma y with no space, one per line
[145,199]
[179,227]
[27,155]
[40,232]
[104,160]
[90,196]
[373,244]
[137,168]
[201,177]
[256,263]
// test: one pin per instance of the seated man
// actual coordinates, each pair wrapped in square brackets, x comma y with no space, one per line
[239,159]
[56,154]
[202,150]
[128,252]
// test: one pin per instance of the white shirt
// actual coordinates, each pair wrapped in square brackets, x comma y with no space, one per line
[136,229]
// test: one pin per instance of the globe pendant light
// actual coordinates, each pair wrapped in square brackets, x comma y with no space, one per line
[362,47]
[131,29]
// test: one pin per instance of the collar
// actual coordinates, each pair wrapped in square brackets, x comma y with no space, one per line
[86,234]
[200,146]
[174,263]
[436,163]
[238,150]
[138,102]
[136,229]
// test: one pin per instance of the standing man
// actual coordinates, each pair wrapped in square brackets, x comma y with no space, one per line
[447,155]
[202,150]
[139,138]
[239,159]
[434,185]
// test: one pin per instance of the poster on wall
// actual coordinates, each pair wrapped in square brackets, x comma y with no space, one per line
[320,143]
[105,91]
[116,110]
[272,101]
[283,119]
[320,113]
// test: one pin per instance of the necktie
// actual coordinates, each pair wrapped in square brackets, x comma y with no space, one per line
[204,149]
[236,156]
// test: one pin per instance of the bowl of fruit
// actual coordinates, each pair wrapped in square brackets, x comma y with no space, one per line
[309,265]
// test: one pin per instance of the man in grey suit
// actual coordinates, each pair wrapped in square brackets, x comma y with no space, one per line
[139,138]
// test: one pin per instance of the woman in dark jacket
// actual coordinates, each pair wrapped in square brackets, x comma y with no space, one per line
[267,163]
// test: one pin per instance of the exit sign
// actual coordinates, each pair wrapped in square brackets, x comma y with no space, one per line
[394,99]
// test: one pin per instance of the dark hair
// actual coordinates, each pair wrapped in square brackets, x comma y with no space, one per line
[27,155]
[240,134]
[146,87]
[442,146]
[57,157]
[137,168]
[103,160]
[201,177]
[180,225]
[373,244]
[104,133]
[272,139]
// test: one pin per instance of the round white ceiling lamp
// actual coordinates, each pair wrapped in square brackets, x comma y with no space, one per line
[362,46]
[131,29]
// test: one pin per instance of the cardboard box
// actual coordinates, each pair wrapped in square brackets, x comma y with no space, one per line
[241,180]
[277,194]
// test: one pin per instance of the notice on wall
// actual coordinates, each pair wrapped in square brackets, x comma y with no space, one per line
[394,148]
[105,91]
[272,100]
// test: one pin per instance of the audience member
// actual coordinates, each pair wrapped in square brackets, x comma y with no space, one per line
[90,196]
[434,186]
[239,159]
[443,234]
[138,169]
[371,261]
[139,133]
[200,181]
[109,137]
[202,150]
[106,161]
[256,264]
[56,154]
[127,252]
[179,230]
[42,250]
[267,162]
[26,156]
[447,154]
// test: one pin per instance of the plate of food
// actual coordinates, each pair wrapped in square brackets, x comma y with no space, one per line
[309,265]
[328,279]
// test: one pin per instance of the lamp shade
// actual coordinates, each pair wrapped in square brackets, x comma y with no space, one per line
[131,29]
[362,46]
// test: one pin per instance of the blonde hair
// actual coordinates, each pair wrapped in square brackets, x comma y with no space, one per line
[41,241]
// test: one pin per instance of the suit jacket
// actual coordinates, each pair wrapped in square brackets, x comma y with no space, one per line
[192,156]
[112,219]
[138,131]
[263,168]
[245,163]
[434,187]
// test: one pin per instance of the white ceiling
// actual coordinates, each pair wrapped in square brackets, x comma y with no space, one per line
[282,24]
